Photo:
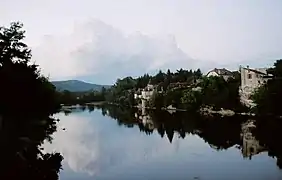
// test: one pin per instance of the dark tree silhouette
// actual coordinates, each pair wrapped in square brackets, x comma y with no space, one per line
[27,99]
[269,96]
[22,85]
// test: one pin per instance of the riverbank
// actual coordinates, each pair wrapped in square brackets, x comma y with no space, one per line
[74,106]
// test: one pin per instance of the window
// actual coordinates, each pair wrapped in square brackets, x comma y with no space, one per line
[249,76]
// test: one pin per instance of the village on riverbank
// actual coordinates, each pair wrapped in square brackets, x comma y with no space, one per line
[250,80]
[248,91]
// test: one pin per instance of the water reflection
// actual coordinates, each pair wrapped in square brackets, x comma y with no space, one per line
[250,145]
[21,155]
[179,145]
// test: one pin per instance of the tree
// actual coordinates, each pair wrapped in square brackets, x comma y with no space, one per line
[198,74]
[167,80]
[192,99]
[269,96]
[158,78]
[142,81]
[276,71]
[27,99]
[12,47]
[22,85]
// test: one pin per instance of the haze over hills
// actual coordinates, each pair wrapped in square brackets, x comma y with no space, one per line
[77,86]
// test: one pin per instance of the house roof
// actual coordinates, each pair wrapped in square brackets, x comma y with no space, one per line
[255,71]
[221,72]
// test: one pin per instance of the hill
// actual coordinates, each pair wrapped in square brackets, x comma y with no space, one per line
[77,86]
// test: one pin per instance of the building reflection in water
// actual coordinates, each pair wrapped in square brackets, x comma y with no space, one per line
[145,119]
[250,145]
[250,136]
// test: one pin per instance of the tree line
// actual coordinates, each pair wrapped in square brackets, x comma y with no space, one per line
[122,92]
[176,87]
[72,98]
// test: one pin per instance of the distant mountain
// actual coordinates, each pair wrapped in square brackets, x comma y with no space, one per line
[77,86]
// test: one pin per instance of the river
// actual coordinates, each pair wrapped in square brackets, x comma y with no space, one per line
[112,143]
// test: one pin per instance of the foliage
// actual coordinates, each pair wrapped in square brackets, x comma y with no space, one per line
[215,92]
[141,82]
[173,97]
[27,99]
[22,85]
[157,101]
[70,98]
[123,90]
[269,96]
[21,155]
[191,99]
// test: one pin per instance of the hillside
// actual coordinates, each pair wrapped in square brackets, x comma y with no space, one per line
[77,86]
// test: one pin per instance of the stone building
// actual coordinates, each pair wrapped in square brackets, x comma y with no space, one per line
[145,94]
[251,79]
[145,119]
[250,145]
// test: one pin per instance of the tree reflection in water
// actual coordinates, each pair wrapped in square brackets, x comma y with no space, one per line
[21,155]
[250,136]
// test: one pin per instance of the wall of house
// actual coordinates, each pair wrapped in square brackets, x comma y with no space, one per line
[251,146]
[250,80]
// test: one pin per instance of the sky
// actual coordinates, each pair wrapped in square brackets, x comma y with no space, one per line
[101,40]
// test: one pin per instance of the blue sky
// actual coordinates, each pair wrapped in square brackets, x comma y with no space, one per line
[100,41]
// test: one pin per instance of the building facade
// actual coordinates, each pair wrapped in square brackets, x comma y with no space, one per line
[250,145]
[145,95]
[251,79]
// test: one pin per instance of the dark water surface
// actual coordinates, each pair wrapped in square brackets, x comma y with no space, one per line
[125,144]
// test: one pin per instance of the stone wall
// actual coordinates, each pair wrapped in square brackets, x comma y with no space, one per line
[251,79]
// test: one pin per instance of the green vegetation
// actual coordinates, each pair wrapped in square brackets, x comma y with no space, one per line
[215,92]
[27,99]
[22,86]
[269,96]
[123,90]
[177,89]
[198,91]
[69,98]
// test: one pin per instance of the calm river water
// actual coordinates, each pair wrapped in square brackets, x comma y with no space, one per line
[111,143]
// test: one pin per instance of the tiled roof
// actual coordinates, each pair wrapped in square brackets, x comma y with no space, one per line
[255,71]
[222,72]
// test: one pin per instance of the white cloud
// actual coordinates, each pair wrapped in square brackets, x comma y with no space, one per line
[95,48]
[225,32]
[95,145]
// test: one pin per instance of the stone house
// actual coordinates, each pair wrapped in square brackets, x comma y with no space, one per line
[250,145]
[251,79]
[226,74]
[146,94]
[145,119]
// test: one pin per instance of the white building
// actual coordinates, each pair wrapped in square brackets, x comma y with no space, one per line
[226,74]
[146,94]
